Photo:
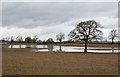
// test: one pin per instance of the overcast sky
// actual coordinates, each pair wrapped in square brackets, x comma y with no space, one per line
[46,19]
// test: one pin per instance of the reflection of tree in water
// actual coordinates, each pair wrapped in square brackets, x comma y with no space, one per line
[112,49]
[113,35]
[60,49]
[28,45]
[50,47]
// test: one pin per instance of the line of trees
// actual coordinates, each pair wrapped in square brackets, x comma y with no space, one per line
[73,37]
[19,39]
[84,31]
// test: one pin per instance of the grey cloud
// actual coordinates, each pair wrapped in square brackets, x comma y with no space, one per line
[33,14]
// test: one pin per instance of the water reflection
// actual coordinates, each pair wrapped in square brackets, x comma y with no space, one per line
[50,47]
[27,46]
[46,48]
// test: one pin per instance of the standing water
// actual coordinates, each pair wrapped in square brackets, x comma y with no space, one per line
[48,48]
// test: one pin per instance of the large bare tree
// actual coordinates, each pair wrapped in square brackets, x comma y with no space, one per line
[86,31]
[113,35]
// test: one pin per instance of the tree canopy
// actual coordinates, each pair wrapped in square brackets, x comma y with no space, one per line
[86,30]
[28,39]
[60,37]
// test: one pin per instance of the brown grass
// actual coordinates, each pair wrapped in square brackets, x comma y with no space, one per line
[26,62]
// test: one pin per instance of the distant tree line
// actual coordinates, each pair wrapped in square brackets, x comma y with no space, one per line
[73,37]
[19,39]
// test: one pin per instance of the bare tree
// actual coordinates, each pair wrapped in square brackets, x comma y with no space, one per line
[113,35]
[7,38]
[11,41]
[60,37]
[19,39]
[86,31]
[35,38]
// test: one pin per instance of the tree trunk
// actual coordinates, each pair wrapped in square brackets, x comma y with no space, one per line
[112,46]
[60,40]
[112,41]
[85,50]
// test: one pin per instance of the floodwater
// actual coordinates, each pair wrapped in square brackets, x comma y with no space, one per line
[67,48]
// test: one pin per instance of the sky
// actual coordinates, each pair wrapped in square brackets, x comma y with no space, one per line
[47,19]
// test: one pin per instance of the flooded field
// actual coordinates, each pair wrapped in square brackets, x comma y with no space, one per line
[47,48]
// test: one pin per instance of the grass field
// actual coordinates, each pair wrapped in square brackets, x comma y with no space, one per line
[26,62]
